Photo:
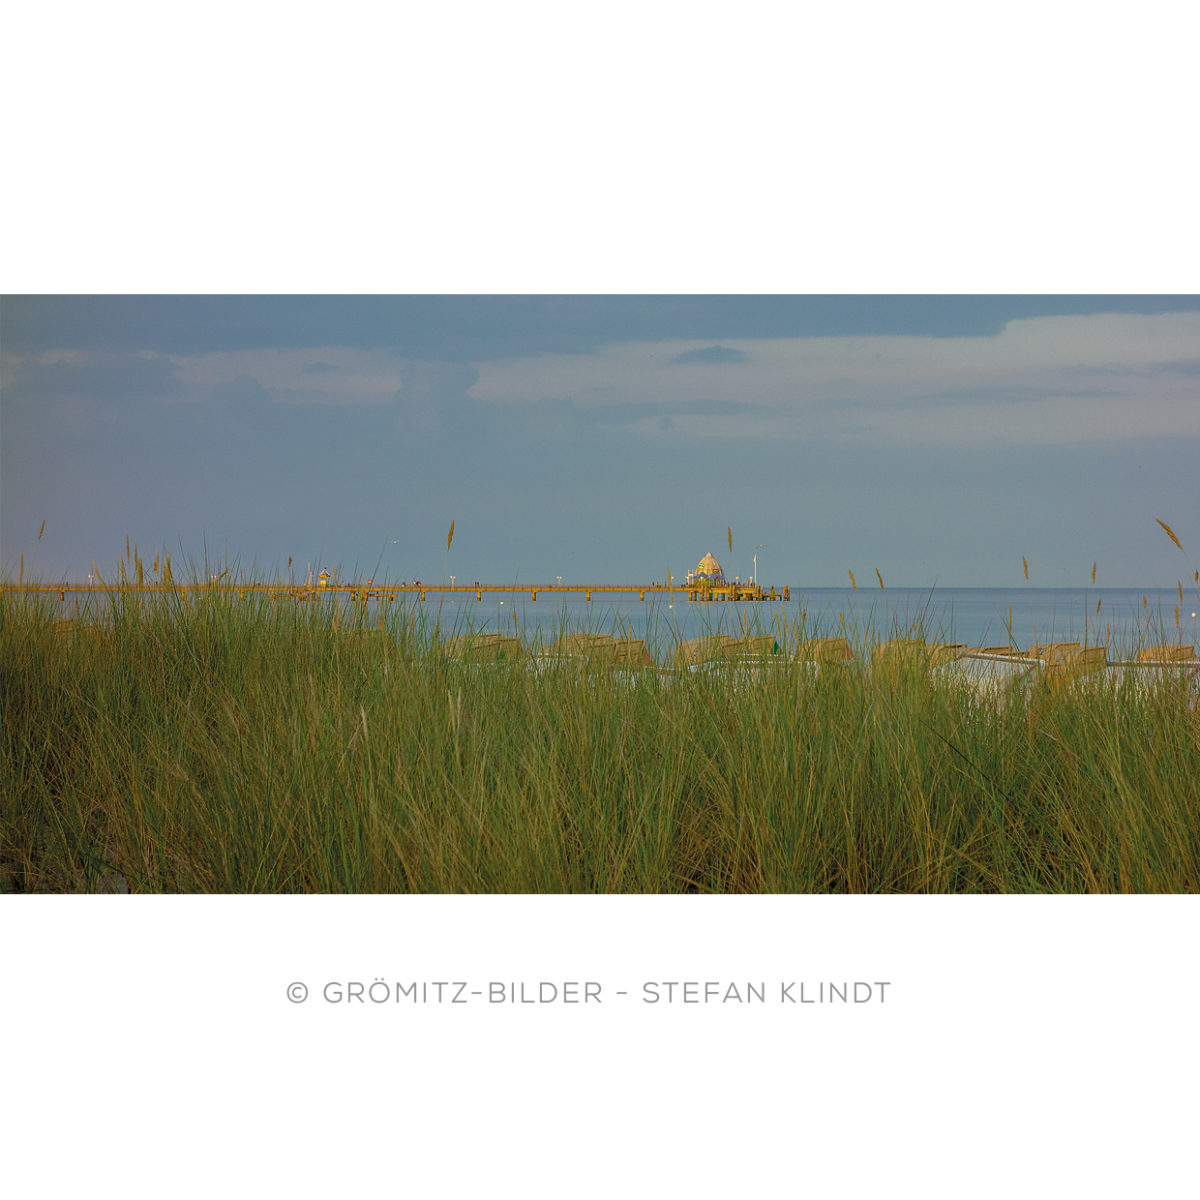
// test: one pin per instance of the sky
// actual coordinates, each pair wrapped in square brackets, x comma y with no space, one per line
[605,438]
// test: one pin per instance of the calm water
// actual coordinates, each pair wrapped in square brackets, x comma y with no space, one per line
[976,616]
[1127,617]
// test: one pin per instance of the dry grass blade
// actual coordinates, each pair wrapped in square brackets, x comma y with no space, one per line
[450,535]
[1170,533]
[880,578]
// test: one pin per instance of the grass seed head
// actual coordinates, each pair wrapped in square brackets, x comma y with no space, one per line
[852,583]
[450,535]
[1170,533]
[41,530]
[1025,564]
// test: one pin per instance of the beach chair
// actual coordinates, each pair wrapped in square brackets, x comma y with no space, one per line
[629,653]
[911,654]
[483,647]
[698,652]
[1173,669]
[824,650]
[756,646]
[1063,663]
[1179,652]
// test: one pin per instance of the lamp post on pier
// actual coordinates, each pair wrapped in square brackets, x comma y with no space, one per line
[760,546]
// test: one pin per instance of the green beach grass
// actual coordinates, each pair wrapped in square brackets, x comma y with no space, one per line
[229,745]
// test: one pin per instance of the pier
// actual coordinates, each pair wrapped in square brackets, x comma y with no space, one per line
[701,591]
[706,584]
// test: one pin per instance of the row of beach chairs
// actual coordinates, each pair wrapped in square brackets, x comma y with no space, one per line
[994,670]
[605,650]
[987,668]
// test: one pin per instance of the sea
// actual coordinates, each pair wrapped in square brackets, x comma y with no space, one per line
[1124,619]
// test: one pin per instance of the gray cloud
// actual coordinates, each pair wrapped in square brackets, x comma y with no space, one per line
[711,355]
[474,328]
[565,417]
[243,392]
[1012,395]
[1183,366]
[102,376]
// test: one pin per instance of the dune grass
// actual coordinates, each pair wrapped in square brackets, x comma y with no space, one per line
[257,745]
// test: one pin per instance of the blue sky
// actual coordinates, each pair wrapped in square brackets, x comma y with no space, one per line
[606,438]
